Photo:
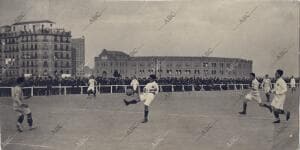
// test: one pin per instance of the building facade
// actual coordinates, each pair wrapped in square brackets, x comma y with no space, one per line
[109,63]
[78,56]
[35,48]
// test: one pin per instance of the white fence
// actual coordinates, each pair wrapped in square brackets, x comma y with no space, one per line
[101,89]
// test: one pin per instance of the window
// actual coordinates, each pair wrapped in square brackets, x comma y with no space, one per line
[33,28]
[221,72]
[214,65]
[228,65]
[205,64]
[222,65]
[178,71]
[45,64]
[187,71]
[213,72]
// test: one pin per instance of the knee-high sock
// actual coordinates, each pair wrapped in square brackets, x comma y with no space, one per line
[133,101]
[20,119]
[244,107]
[268,97]
[276,114]
[267,106]
[146,112]
[29,119]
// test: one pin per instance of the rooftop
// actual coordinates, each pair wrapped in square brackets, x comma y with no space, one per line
[112,54]
[32,22]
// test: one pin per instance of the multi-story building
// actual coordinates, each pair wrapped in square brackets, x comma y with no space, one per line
[35,48]
[78,56]
[109,63]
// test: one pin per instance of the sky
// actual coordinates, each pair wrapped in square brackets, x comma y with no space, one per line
[265,31]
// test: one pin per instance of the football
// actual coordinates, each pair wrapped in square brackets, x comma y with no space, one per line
[129,92]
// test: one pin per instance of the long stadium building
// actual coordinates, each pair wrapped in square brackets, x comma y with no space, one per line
[111,63]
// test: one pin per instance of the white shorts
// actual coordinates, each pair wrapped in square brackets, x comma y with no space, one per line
[22,110]
[278,101]
[267,90]
[147,98]
[134,88]
[91,88]
[253,96]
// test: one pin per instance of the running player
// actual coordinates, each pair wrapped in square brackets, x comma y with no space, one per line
[92,86]
[134,84]
[279,92]
[253,95]
[148,95]
[293,84]
[21,108]
[267,86]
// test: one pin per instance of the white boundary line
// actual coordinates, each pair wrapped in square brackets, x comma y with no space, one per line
[30,145]
[8,140]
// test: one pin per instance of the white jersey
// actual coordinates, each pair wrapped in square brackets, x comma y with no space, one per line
[293,82]
[280,90]
[254,93]
[92,82]
[16,96]
[134,83]
[255,85]
[151,87]
[150,90]
[267,85]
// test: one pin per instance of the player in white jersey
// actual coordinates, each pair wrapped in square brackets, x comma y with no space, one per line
[134,84]
[267,86]
[92,86]
[148,95]
[21,108]
[253,95]
[279,92]
[293,84]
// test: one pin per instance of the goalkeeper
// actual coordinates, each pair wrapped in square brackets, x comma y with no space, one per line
[21,108]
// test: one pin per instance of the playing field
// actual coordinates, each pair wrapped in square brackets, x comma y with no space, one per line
[178,121]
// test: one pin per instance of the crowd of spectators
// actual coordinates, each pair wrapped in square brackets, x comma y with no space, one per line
[49,81]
